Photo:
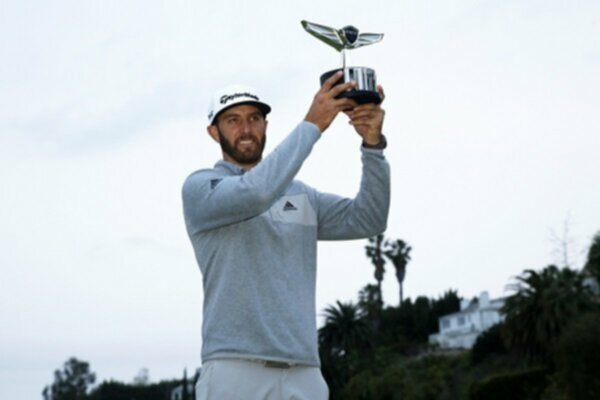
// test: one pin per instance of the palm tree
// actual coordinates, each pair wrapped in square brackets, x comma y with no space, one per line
[398,253]
[344,330]
[344,335]
[374,253]
[542,305]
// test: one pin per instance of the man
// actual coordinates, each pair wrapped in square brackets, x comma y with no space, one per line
[254,230]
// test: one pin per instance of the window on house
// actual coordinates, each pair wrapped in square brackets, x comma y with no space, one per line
[445,324]
[461,321]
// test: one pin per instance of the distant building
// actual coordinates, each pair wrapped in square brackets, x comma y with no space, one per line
[460,330]
[187,385]
[592,284]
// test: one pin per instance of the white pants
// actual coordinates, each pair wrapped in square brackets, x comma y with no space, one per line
[248,380]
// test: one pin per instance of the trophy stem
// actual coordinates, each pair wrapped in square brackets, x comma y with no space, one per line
[343,58]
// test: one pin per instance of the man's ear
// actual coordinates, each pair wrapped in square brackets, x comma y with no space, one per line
[213,133]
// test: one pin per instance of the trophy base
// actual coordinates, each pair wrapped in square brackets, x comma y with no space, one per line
[366,84]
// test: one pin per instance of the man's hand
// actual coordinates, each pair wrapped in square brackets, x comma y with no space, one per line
[367,120]
[325,107]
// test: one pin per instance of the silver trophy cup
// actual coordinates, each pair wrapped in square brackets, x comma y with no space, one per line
[343,40]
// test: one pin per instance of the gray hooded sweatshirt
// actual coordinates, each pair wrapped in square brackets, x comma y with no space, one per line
[255,238]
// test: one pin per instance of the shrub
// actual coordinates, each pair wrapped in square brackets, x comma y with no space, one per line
[523,385]
[577,358]
[426,378]
[489,342]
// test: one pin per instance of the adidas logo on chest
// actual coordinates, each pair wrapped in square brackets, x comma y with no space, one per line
[289,207]
[293,209]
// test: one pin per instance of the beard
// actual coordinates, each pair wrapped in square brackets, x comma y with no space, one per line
[240,156]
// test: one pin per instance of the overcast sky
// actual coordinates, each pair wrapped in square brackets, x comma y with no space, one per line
[493,129]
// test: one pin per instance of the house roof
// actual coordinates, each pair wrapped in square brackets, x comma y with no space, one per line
[473,306]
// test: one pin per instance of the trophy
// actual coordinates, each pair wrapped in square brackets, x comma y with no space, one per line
[343,40]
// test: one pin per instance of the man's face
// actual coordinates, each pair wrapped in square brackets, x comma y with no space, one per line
[240,131]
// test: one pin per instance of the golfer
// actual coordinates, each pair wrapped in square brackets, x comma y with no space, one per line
[254,230]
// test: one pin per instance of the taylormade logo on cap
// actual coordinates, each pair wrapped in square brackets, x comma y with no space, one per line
[226,98]
[233,95]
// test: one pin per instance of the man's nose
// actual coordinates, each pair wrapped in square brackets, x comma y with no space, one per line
[245,126]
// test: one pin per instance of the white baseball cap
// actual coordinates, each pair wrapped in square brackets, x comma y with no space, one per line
[234,95]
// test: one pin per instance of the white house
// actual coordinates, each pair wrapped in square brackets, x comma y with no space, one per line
[460,330]
[177,393]
[592,284]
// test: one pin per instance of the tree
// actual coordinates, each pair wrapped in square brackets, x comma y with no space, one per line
[72,383]
[374,253]
[592,264]
[421,315]
[368,304]
[345,329]
[398,253]
[418,378]
[488,343]
[407,327]
[578,359]
[113,390]
[543,303]
[563,243]
[184,384]
[448,303]
[528,384]
[345,333]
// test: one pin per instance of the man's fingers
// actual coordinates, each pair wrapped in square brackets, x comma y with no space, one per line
[364,111]
[381,92]
[328,84]
[344,104]
[369,107]
[336,90]
[365,118]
